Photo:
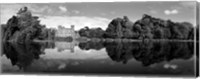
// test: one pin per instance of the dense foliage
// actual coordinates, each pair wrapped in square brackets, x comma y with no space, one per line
[47,34]
[23,27]
[149,27]
[91,33]
[146,28]
[120,28]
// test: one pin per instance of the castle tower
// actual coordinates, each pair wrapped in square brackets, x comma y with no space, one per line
[72,31]
[72,27]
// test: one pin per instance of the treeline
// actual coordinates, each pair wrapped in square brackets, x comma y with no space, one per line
[47,34]
[25,27]
[146,28]
[91,33]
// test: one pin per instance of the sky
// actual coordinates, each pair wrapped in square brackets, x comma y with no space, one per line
[100,14]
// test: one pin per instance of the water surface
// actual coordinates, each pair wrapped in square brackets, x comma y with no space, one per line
[111,58]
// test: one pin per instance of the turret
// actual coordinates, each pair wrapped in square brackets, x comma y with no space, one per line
[72,27]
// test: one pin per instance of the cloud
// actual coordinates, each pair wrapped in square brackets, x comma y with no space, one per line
[77,55]
[76,11]
[38,9]
[52,17]
[7,11]
[78,21]
[63,9]
[170,66]
[171,12]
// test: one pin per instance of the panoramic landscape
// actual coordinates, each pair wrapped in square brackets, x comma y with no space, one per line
[116,38]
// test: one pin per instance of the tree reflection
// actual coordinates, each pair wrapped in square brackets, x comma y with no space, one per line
[165,51]
[148,53]
[91,45]
[22,55]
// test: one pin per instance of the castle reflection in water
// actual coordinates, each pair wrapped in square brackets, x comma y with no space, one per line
[22,55]
[61,46]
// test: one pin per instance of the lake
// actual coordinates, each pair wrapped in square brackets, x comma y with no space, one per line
[100,58]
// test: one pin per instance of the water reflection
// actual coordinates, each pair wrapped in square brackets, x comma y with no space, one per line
[66,46]
[120,56]
[147,53]
[22,55]
[91,45]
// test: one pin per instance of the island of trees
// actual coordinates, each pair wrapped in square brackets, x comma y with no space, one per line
[147,27]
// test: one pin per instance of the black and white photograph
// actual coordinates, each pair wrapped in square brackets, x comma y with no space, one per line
[151,39]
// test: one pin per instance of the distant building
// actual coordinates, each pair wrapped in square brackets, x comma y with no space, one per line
[65,32]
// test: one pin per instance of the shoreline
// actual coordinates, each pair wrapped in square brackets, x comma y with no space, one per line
[116,40]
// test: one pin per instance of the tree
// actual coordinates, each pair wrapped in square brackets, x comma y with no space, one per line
[23,27]
[91,33]
[147,27]
[120,28]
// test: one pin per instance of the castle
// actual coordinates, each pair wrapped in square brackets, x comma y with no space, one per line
[68,36]
[63,32]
